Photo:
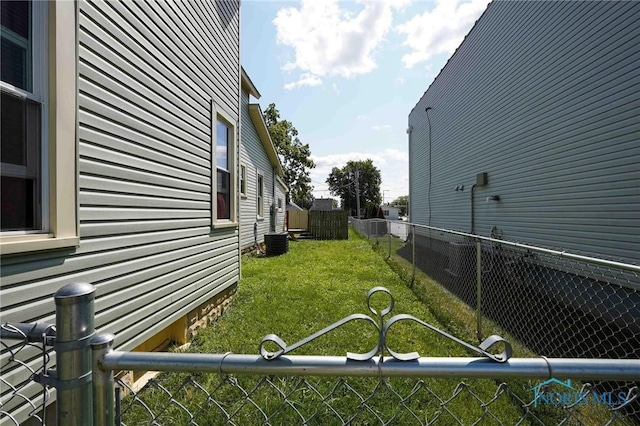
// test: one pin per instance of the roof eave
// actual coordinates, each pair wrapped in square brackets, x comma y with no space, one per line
[248,85]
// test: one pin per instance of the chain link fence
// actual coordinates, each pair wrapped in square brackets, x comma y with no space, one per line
[236,400]
[24,358]
[555,303]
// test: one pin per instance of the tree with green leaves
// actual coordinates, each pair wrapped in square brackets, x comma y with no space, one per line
[342,183]
[294,155]
[402,203]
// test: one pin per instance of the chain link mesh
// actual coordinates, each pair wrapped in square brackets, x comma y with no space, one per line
[210,399]
[22,359]
[555,306]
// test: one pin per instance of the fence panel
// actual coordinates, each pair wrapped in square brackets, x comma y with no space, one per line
[298,220]
[329,225]
[239,400]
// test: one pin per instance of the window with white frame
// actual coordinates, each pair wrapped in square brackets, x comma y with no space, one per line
[279,204]
[223,172]
[38,207]
[243,180]
[260,196]
[224,180]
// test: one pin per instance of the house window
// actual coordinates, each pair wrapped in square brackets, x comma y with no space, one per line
[224,180]
[223,172]
[279,204]
[260,198]
[243,180]
[23,98]
[38,206]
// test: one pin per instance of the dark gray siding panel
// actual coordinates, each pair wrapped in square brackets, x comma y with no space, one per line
[545,97]
[148,73]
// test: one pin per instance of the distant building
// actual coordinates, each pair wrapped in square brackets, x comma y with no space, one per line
[324,204]
[390,212]
[294,207]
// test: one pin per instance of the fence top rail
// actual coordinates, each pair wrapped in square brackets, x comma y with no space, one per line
[335,366]
[564,254]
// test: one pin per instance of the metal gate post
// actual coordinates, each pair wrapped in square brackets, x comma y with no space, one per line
[74,329]
[103,385]
[479,289]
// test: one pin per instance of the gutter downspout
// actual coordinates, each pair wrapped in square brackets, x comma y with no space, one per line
[409,213]
[472,209]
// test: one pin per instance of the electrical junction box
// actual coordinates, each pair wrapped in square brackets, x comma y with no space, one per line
[482,179]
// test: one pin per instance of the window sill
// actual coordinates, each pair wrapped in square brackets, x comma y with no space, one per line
[260,218]
[224,224]
[243,196]
[29,243]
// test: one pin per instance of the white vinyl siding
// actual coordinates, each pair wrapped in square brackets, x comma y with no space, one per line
[543,96]
[254,156]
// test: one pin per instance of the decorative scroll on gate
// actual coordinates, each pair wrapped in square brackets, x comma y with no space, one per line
[383,328]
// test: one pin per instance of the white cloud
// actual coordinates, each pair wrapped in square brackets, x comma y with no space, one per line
[335,88]
[381,127]
[362,117]
[400,80]
[392,163]
[329,40]
[304,80]
[440,30]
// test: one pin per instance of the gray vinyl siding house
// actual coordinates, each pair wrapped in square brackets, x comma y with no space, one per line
[259,162]
[152,80]
[544,97]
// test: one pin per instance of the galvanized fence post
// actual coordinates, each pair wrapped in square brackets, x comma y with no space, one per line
[74,329]
[103,385]
[479,289]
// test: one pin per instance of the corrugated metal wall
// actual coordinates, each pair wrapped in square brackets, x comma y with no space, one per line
[254,157]
[147,75]
[545,98]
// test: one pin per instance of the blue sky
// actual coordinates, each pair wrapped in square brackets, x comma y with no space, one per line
[347,73]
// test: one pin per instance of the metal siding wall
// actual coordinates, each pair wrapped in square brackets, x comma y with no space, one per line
[254,157]
[147,75]
[544,96]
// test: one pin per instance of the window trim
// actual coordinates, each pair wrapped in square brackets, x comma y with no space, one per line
[243,181]
[259,198]
[217,113]
[59,134]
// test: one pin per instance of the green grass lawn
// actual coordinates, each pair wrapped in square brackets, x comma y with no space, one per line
[294,295]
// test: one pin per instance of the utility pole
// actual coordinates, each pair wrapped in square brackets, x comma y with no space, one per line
[358,192]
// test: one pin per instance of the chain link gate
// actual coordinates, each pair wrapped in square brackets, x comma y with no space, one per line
[382,386]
